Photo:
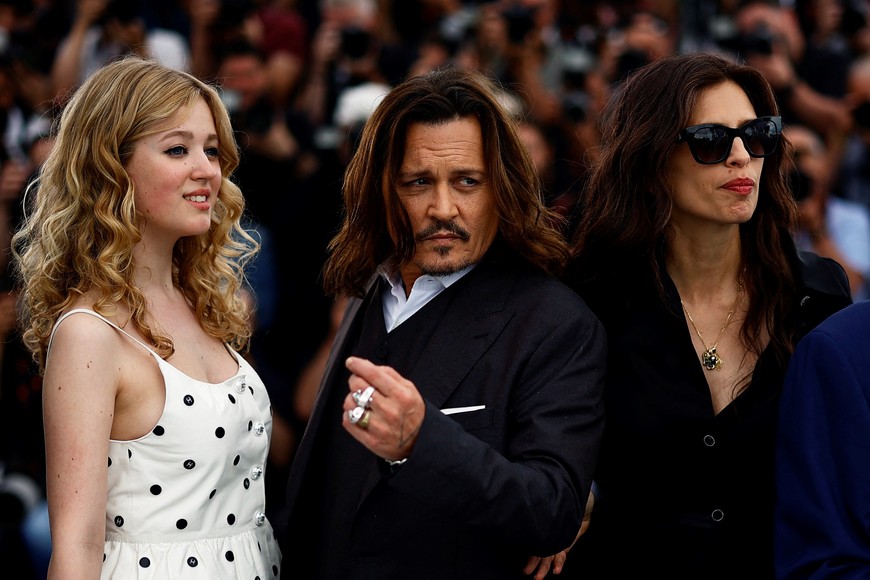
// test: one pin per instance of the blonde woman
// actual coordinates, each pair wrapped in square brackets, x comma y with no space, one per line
[131,263]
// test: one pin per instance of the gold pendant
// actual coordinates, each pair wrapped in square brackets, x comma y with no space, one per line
[711,360]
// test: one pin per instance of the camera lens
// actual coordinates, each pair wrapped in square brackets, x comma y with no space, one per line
[355,42]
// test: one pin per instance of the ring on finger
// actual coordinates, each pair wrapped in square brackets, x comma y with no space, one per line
[365,398]
[363,422]
[355,414]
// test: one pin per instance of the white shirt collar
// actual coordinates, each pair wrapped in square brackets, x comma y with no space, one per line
[399,307]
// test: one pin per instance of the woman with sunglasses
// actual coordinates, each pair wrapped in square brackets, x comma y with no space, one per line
[684,249]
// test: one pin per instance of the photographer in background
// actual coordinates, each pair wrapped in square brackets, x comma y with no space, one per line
[854,178]
[278,31]
[344,53]
[103,30]
[769,38]
[828,225]
[276,140]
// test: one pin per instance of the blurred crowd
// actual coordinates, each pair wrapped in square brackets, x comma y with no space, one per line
[300,77]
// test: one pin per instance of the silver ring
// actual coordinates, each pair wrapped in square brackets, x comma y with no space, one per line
[355,414]
[356,395]
[365,399]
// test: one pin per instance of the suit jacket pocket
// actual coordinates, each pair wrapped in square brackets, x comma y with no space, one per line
[473,420]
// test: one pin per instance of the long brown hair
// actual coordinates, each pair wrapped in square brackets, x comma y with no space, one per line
[626,207]
[373,209]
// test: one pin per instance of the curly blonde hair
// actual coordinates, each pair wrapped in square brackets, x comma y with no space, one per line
[81,222]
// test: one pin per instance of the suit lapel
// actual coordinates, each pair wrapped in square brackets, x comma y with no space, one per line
[338,351]
[470,325]
[334,365]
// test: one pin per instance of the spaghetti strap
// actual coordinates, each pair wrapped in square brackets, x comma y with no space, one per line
[104,319]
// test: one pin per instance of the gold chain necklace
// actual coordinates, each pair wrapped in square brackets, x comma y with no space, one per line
[710,358]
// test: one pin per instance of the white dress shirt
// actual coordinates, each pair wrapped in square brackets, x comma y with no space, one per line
[398,307]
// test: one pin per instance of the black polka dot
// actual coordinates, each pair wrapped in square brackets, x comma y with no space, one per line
[119,521]
[158,430]
[156,489]
[251,389]
[104,556]
[188,400]
[144,562]
[258,546]
[181,524]
[236,460]
[232,399]
[110,462]
[274,570]
[189,464]
[256,578]
[230,556]
[231,519]
[129,454]
[192,562]
[250,424]
[246,483]
[211,495]
[219,432]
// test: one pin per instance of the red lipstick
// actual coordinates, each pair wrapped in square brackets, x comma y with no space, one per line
[741,185]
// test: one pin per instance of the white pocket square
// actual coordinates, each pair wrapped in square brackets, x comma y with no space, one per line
[455,410]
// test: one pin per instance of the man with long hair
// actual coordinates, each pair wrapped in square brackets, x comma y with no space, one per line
[458,420]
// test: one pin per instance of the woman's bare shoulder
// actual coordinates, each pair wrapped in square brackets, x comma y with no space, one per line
[79,331]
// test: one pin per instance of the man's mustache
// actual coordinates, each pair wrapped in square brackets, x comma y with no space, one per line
[438,227]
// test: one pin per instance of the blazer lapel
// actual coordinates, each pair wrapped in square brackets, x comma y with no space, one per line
[333,366]
[472,322]
[339,348]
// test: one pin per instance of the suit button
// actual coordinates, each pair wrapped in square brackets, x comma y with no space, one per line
[709,440]
[382,351]
[717,515]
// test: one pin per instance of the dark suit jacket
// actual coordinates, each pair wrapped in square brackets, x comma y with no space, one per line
[482,490]
[823,446]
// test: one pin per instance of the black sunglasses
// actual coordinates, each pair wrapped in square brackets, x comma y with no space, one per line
[711,143]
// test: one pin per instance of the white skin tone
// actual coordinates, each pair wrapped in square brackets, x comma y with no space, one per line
[99,384]
[442,181]
[702,201]
[704,250]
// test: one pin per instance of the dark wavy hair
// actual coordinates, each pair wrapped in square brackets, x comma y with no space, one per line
[372,207]
[625,212]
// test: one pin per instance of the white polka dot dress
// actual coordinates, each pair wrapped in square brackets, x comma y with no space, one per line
[187,500]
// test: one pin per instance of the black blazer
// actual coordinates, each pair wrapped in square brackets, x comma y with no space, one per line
[685,493]
[482,490]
